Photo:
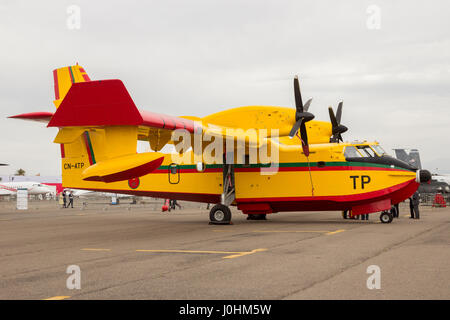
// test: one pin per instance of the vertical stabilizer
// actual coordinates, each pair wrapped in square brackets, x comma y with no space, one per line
[63,79]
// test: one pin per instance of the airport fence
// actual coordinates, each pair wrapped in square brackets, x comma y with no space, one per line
[428,199]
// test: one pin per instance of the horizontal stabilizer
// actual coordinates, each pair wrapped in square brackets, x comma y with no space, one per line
[96,103]
[108,103]
[123,168]
[34,116]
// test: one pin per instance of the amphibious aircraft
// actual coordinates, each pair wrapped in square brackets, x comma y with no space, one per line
[262,159]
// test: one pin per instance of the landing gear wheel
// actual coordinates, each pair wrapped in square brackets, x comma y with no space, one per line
[220,214]
[386,217]
[344,214]
[256,216]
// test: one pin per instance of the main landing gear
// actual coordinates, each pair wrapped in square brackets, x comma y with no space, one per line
[220,214]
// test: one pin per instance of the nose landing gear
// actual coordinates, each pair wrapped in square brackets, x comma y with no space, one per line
[386,217]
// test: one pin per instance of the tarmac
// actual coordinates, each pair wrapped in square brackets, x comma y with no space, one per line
[136,252]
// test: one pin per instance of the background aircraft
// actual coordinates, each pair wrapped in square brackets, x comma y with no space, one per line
[35,188]
[438,183]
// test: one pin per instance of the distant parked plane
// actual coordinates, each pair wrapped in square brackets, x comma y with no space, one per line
[438,183]
[10,188]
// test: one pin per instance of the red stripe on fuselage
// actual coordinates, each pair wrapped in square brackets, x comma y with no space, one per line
[63,153]
[55,79]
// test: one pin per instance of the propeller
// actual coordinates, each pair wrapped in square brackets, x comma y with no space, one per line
[301,117]
[337,128]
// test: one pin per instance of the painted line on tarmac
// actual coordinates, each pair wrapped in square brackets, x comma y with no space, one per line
[95,249]
[58,298]
[244,253]
[334,232]
[230,254]
[291,231]
[326,232]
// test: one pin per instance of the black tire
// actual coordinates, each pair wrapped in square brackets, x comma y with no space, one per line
[220,214]
[386,217]
[344,214]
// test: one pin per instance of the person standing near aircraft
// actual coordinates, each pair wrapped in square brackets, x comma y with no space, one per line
[64,199]
[173,203]
[70,199]
[415,202]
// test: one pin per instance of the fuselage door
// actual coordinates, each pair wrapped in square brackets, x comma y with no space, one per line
[174,173]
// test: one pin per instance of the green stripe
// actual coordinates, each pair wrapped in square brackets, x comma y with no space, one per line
[71,75]
[91,150]
[294,165]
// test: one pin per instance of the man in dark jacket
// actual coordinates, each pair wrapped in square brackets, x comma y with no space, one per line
[64,199]
[415,202]
[70,199]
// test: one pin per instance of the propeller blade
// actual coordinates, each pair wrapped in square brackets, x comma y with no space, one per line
[339,112]
[333,119]
[307,104]
[304,136]
[295,128]
[298,96]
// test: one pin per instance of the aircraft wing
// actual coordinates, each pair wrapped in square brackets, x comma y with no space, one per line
[108,103]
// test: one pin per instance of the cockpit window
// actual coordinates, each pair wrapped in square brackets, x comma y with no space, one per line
[378,149]
[366,151]
[351,152]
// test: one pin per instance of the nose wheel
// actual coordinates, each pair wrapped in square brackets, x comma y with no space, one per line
[220,214]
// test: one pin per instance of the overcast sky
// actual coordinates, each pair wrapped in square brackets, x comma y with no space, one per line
[199,57]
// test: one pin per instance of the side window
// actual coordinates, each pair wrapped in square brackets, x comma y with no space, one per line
[366,151]
[351,152]
[378,149]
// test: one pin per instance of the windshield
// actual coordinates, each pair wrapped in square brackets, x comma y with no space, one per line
[378,149]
